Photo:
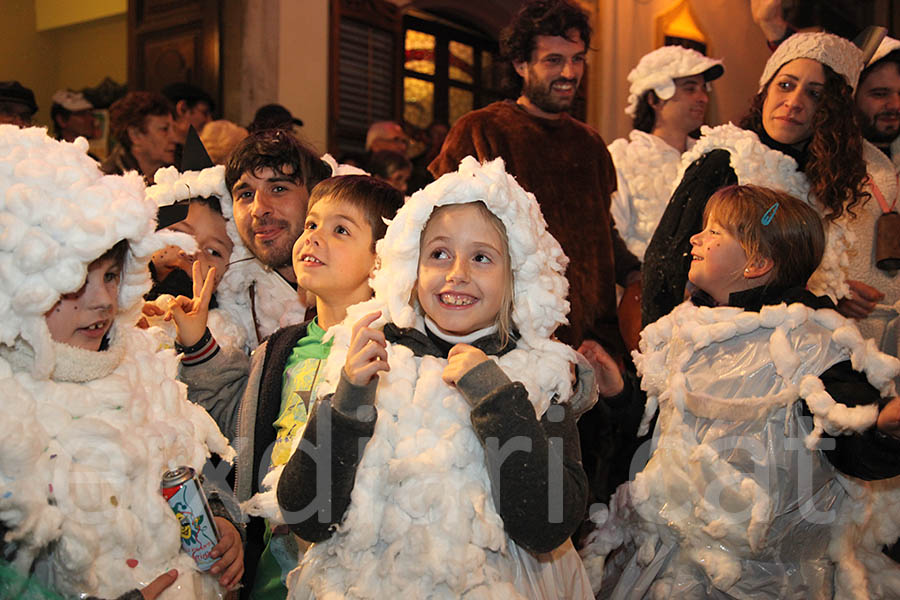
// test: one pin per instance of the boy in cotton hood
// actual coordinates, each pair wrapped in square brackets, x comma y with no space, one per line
[93,415]
[431,514]
[190,201]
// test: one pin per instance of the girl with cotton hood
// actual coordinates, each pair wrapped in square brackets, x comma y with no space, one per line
[92,413]
[420,505]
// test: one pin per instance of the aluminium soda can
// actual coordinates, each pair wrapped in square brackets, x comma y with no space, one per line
[181,489]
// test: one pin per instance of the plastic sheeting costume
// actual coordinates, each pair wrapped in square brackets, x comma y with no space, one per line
[422,520]
[86,435]
[737,500]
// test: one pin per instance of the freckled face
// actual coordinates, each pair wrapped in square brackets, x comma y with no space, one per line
[462,273]
[717,262]
[82,318]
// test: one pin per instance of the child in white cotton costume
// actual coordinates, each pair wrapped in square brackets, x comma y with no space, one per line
[92,413]
[771,408]
[454,459]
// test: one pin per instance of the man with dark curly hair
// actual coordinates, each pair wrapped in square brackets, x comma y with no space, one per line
[141,122]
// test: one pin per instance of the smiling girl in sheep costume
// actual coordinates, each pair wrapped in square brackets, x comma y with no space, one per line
[771,409]
[88,425]
[432,513]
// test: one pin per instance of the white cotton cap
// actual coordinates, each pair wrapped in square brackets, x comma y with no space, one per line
[841,55]
[657,71]
[887,45]
[58,213]
[72,101]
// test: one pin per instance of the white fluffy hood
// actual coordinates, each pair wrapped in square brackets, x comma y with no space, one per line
[537,259]
[58,213]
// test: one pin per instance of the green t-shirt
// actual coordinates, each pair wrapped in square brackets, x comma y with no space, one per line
[302,374]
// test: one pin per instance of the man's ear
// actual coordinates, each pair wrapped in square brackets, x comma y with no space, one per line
[181,108]
[521,68]
[758,267]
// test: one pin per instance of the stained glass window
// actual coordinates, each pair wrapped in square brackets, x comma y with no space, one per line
[418,102]
[419,48]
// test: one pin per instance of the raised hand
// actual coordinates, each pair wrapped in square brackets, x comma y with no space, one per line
[191,314]
[461,359]
[609,378]
[367,355]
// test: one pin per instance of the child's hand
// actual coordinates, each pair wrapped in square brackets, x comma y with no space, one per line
[462,359]
[231,566]
[191,314]
[367,354]
[889,418]
[609,379]
[159,585]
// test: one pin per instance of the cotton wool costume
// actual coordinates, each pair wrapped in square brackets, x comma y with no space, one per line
[422,521]
[742,497]
[86,436]
[647,167]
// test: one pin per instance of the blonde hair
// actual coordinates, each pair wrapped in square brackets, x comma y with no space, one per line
[774,225]
[504,316]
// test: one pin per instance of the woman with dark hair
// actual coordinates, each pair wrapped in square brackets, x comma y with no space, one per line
[800,136]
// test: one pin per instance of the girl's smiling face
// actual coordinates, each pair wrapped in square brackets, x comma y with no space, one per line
[463,270]
[717,262]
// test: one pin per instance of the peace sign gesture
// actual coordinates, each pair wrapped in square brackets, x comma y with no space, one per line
[191,314]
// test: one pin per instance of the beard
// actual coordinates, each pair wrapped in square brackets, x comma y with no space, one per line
[874,134]
[542,95]
[275,253]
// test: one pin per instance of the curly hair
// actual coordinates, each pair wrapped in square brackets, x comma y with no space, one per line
[836,170]
[132,110]
[541,17]
[280,151]
[644,115]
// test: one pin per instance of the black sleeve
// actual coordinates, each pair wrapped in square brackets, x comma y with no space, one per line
[539,486]
[614,442]
[868,455]
[329,452]
[668,256]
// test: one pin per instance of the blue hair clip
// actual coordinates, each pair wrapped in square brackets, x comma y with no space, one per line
[769,214]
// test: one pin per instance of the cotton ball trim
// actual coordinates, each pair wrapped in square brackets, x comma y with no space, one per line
[657,70]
